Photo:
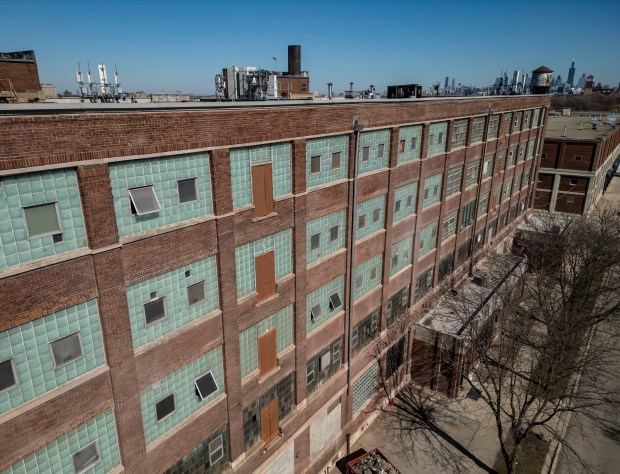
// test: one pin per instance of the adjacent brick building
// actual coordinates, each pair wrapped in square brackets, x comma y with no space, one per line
[177,287]
[578,157]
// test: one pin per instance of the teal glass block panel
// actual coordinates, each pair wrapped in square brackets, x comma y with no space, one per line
[364,388]
[369,216]
[280,243]
[432,190]
[374,150]
[409,143]
[181,383]
[282,321]
[405,201]
[172,287]
[57,456]
[367,275]
[29,347]
[242,160]
[321,296]
[530,148]
[59,188]
[459,133]
[401,255]
[163,174]
[329,231]
[437,134]
[329,149]
[477,130]
[428,239]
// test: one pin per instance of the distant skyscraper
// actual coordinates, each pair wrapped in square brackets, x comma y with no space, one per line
[453,84]
[581,83]
[571,74]
[445,86]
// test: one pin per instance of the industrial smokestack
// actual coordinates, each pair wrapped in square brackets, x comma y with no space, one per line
[294,60]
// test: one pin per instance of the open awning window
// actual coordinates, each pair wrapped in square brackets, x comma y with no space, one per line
[206,385]
[144,200]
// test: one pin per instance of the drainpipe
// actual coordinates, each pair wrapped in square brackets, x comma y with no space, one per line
[472,244]
[357,128]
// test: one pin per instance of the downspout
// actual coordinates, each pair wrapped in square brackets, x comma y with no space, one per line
[477,205]
[357,128]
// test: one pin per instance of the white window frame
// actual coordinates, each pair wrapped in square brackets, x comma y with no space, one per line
[133,202]
[60,228]
[72,360]
[217,387]
[220,448]
[88,466]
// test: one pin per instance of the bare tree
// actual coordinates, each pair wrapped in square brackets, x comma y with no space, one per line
[534,345]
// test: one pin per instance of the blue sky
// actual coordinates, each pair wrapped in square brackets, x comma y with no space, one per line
[181,45]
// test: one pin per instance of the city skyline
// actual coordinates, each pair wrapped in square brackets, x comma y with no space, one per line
[159,48]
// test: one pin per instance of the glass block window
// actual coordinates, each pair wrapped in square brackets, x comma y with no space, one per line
[424,283]
[369,216]
[526,119]
[182,384]
[395,357]
[477,130]
[483,204]
[158,179]
[432,190]
[516,123]
[459,133]
[506,190]
[487,167]
[40,216]
[410,141]
[472,173]
[522,152]
[325,235]
[467,216]
[242,160]
[319,305]
[397,306]
[405,201]
[535,122]
[48,352]
[517,183]
[282,321]
[332,159]
[445,267]
[364,388]
[493,128]
[93,445]
[530,148]
[449,225]
[365,331]
[437,138]
[453,183]
[321,367]
[367,275]
[209,457]
[512,155]
[526,177]
[280,243]
[428,239]
[400,256]
[374,150]
[463,252]
[164,303]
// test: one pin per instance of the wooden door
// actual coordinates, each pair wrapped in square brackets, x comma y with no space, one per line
[267,352]
[265,271]
[269,424]
[262,190]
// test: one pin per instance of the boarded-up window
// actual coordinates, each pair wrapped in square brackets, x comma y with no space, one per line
[262,190]
[267,358]
[269,425]
[264,266]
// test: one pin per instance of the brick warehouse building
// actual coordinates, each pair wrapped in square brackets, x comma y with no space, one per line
[577,161]
[174,283]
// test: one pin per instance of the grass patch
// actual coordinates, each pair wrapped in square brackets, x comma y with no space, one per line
[530,457]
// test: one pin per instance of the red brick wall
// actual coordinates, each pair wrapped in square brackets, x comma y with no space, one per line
[23,75]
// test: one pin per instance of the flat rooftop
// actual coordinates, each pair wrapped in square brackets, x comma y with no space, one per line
[579,126]
[42,108]
[472,297]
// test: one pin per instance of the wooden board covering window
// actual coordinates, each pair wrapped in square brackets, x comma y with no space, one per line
[267,352]
[265,269]
[269,425]
[262,190]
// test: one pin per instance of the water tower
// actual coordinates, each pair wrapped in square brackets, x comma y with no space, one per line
[542,79]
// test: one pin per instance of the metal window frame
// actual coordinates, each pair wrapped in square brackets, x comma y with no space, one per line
[159,420]
[219,438]
[147,324]
[88,466]
[312,160]
[318,243]
[51,348]
[315,315]
[15,375]
[331,235]
[339,154]
[60,227]
[138,213]
[204,296]
[217,387]
[331,301]
[195,180]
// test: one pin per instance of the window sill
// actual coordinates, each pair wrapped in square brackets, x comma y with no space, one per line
[262,218]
